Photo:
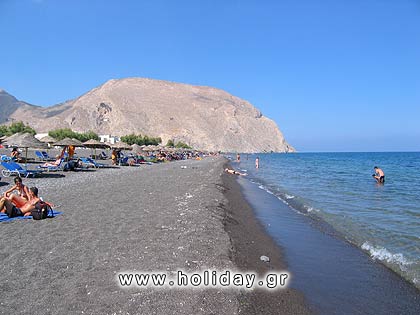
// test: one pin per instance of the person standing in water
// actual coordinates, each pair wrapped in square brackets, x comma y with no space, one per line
[238,157]
[257,162]
[379,175]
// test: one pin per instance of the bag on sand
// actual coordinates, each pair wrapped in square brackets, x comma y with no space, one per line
[41,211]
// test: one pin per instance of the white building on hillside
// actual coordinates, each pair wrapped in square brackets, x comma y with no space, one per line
[39,136]
[109,138]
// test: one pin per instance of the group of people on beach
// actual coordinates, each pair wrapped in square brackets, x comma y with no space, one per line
[118,158]
[19,200]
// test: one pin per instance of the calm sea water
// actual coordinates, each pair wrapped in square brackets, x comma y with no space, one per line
[382,220]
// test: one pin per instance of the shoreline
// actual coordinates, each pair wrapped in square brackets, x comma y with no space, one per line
[249,242]
[334,275]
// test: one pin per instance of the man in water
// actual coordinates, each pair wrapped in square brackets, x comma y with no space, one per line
[379,175]
[234,172]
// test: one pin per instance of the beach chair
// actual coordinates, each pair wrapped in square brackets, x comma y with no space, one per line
[5,158]
[90,162]
[103,156]
[46,156]
[39,155]
[53,168]
[12,168]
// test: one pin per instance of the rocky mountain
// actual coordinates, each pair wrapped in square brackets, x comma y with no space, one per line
[204,117]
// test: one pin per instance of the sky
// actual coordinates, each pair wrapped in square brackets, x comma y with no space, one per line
[334,75]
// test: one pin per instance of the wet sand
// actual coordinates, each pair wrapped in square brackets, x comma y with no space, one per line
[148,218]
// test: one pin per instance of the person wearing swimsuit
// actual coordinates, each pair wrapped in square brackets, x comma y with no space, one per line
[234,172]
[13,211]
[379,175]
[22,195]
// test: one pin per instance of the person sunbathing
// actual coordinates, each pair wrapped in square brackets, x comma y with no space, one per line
[234,172]
[52,164]
[12,211]
[22,195]
[15,155]
[57,162]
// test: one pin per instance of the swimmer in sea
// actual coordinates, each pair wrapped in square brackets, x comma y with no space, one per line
[379,175]
[234,172]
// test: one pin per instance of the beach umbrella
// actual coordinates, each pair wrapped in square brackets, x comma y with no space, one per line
[12,137]
[67,141]
[48,139]
[25,141]
[92,143]
[136,148]
[121,146]
[95,144]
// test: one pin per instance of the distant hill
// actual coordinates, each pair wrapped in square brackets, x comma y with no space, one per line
[204,117]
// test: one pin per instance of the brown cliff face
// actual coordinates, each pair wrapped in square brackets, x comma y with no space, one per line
[204,117]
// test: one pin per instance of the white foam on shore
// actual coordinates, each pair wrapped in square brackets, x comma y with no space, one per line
[285,198]
[265,189]
[383,254]
[310,209]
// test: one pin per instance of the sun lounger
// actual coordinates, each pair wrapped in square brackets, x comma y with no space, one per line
[100,156]
[39,155]
[103,156]
[46,156]
[50,167]
[12,168]
[5,158]
[91,162]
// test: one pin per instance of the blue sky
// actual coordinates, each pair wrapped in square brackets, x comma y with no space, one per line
[334,75]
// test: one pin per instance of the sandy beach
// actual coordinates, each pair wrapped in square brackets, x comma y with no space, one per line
[135,219]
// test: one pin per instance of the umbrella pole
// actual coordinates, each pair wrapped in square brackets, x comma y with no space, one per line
[26,158]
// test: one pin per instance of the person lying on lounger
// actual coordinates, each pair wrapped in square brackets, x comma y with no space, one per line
[234,172]
[56,162]
[22,195]
[12,211]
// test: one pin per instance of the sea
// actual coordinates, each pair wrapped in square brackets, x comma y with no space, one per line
[337,190]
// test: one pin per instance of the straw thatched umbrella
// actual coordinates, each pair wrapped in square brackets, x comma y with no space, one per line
[25,140]
[92,143]
[67,141]
[95,144]
[48,139]
[121,146]
[136,148]
[12,137]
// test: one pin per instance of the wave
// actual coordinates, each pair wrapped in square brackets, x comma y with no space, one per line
[396,262]
[382,254]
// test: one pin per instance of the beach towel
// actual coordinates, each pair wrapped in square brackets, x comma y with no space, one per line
[5,218]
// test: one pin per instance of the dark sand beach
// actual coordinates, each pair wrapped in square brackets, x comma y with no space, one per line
[135,219]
